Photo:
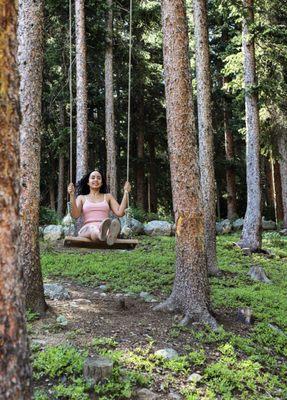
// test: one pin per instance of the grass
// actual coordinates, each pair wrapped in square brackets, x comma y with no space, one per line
[250,366]
[148,268]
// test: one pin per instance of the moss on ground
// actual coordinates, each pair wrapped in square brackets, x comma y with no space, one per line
[250,365]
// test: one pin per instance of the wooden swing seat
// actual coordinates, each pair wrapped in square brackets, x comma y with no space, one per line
[123,244]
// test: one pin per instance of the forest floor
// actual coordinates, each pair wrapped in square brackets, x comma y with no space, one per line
[108,314]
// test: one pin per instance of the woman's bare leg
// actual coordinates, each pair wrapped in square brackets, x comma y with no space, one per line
[95,234]
[90,232]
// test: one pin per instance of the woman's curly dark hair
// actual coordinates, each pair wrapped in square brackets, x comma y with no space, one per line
[83,188]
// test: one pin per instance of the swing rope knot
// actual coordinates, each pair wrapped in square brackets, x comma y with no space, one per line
[68,219]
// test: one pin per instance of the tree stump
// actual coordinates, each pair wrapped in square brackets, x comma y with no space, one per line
[97,369]
[245,315]
[258,274]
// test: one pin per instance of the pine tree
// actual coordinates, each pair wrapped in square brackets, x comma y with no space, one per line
[109,105]
[251,234]
[82,113]
[14,360]
[282,147]
[30,57]
[190,288]
[205,131]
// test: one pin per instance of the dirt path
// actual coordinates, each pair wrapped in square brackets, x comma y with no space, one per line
[91,313]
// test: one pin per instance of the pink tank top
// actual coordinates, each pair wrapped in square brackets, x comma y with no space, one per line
[95,212]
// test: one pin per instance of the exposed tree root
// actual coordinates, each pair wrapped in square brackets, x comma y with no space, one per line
[241,245]
[214,272]
[204,318]
[167,306]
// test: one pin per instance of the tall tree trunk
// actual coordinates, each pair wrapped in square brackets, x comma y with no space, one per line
[229,144]
[269,188]
[109,100]
[52,196]
[190,292]
[30,55]
[229,152]
[152,174]
[278,192]
[282,147]
[251,234]
[61,167]
[82,113]
[14,360]
[140,152]
[218,204]
[205,131]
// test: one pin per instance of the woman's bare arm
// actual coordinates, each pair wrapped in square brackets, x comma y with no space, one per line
[76,203]
[119,209]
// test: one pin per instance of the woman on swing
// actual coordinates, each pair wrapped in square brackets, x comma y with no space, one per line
[95,204]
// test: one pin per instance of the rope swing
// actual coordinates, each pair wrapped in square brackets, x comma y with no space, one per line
[68,220]
[128,209]
[71,91]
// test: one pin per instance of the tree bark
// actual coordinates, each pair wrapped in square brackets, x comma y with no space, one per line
[30,57]
[82,113]
[229,144]
[278,192]
[61,168]
[141,197]
[205,131]
[15,372]
[269,188]
[251,234]
[52,196]
[282,147]
[230,170]
[190,292]
[152,174]
[109,105]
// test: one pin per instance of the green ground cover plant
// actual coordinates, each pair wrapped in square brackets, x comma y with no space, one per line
[230,376]
[249,365]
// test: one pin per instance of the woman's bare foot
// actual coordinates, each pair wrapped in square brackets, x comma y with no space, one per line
[114,231]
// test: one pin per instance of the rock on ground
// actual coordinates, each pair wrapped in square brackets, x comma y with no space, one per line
[168,354]
[173,229]
[55,291]
[258,274]
[126,232]
[238,224]
[147,297]
[195,377]
[268,225]
[136,226]
[53,233]
[69,230]
[158,228]
[146,394]
[174,396]
[223,226]
[41,231]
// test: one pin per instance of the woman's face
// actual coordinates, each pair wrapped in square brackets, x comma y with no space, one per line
[95,180]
